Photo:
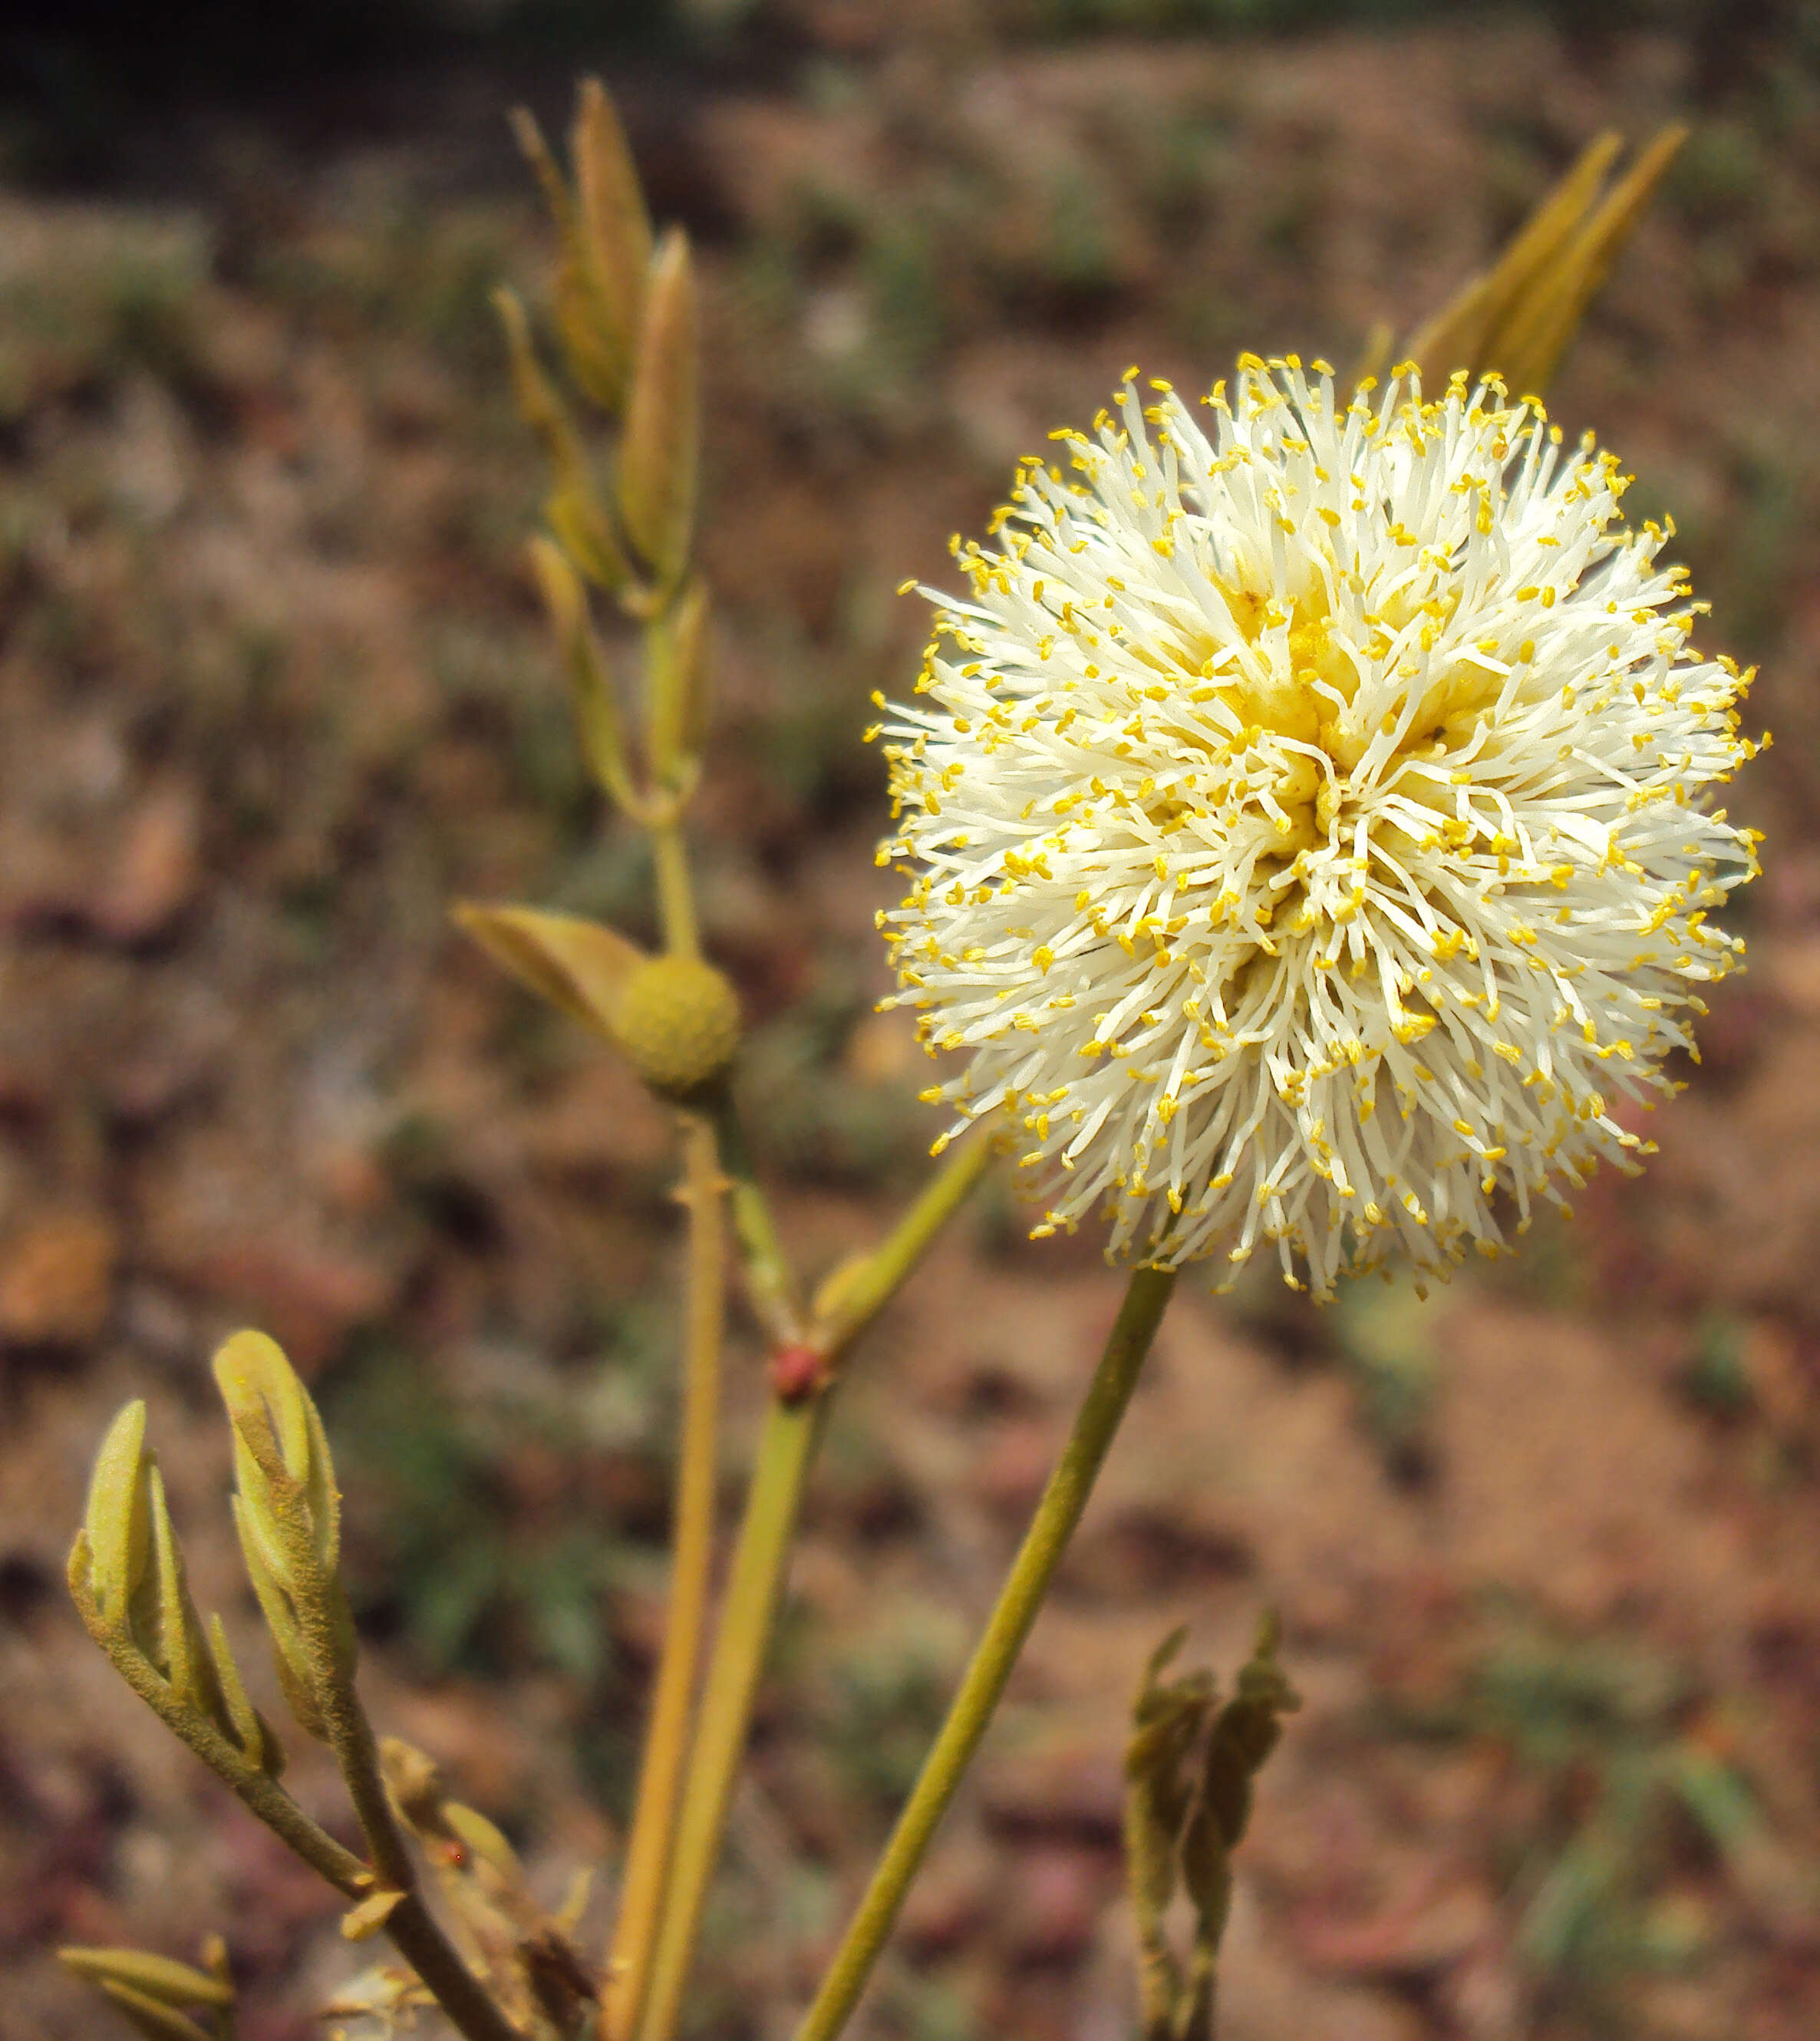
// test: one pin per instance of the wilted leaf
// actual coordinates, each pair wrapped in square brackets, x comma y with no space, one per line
[575,964]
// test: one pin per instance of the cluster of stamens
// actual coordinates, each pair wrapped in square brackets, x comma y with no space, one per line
[1307,821]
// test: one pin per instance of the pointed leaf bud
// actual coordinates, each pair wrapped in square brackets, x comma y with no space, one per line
[286,1510]
[605,239]
[614,235]
[678,1022]
[575,964]
[539,154]
[114,1550]
[590,685]
[280,1450]
[371,1915]
[582,529]
[660,451]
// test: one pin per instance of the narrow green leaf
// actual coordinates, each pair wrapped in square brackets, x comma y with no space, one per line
[160,1977]
[156,2021]
[251,1731]
[575,507]
[1516,318]
[591,685]
[1543,325]
[1461,335]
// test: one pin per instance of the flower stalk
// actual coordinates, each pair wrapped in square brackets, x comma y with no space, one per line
[654,1808]
[787,1444]
[793,1424]
[1058,1513]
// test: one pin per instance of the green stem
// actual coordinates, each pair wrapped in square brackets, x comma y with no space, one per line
[412,1927]
[1057,1514]
[414,1932]
[767,1277]
[786,1450]
[862,1293]
[260,1794]
[786,1447]
[675,901]
[461,1995]
[667,1745]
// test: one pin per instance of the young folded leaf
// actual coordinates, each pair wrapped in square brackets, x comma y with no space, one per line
[287,1511]
[574,508]
[658,459]
[182,1653]
[131,1587]
[280,1450]
[605,239]
[1184,1818]
[250,1729]
[597,717]
[116,1540]
[296,1675]
[678,706]
[615,238]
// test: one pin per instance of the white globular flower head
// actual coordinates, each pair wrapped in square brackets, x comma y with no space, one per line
[1308,816]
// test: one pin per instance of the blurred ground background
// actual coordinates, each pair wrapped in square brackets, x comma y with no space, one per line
[273,690]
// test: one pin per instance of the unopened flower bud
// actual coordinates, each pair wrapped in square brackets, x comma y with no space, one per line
[678,1021]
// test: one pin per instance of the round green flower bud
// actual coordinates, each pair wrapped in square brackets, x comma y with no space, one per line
[679,1020]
